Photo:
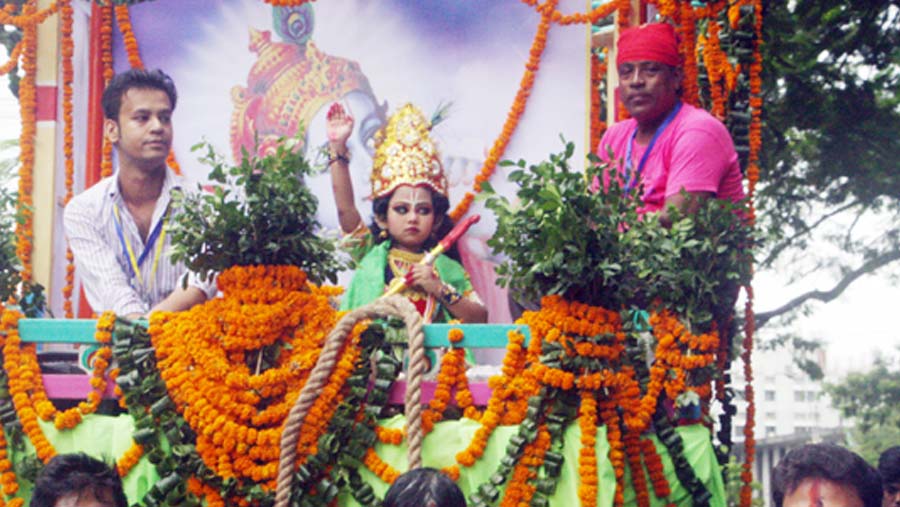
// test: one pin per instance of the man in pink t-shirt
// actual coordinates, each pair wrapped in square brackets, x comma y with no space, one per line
[667,145]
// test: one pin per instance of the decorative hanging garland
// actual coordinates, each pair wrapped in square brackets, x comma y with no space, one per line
[106,59]
[26,387]
[67,47]
[515,112]
[13,61]
[29,397]
[123,19]
[563,333]
[598,75]
[8,480]
[655,468]
[30,16]
[587,458]
[509,402]
[27,107]
[236,412]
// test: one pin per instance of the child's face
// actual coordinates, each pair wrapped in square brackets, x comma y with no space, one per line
[410,217]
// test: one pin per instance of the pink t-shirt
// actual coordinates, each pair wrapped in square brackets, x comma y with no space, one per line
[694,153]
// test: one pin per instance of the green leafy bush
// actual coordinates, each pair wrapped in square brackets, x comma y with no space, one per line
[261,213]
[560,238]
[9,263]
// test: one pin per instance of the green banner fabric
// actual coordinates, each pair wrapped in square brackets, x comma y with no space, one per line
[108,437]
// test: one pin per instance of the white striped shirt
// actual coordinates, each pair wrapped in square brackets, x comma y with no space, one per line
[102,262]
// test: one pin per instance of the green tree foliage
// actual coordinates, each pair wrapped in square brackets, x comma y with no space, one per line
[872,399]
[734,484]
[9,263]
[593,247]
[260,213]
[831,144]
[9,274]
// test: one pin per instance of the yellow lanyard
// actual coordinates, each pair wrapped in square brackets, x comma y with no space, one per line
[158,236]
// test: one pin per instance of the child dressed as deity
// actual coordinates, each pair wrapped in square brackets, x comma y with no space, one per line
[409,204]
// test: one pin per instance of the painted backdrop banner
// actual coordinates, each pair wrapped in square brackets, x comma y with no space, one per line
[247,71]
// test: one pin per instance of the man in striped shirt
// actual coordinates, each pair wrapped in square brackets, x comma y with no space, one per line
[117,228]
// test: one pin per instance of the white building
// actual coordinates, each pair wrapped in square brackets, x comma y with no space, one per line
[791,410]
[788,402]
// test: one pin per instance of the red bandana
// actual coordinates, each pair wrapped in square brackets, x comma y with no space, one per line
[655,42]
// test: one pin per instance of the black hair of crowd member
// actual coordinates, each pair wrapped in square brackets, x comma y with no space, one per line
[889,465]
[81,474]
[829,462]
[424,487]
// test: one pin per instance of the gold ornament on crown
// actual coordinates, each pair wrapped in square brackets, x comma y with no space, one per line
[406,155]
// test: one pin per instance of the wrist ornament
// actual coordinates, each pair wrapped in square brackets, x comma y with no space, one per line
[334,156]
[449,295]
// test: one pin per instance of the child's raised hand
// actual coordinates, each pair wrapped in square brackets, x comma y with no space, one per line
[339,125]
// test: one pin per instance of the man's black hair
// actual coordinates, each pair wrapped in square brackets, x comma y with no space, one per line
[77,473]
[135,78]
[889,465]
[424,487]
[829,462]
[440,205]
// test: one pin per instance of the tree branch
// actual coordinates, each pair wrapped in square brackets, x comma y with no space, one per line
[825,296]
[777,249]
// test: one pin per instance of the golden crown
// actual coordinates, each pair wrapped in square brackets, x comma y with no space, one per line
[406,155]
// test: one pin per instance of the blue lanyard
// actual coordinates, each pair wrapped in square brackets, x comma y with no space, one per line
[128,251]
[632,180]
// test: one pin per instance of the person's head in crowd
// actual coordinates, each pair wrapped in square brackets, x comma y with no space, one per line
[78,480]
[139,79]
[825,475]
[889,468]
[424,487]
[649,69]
[138,106]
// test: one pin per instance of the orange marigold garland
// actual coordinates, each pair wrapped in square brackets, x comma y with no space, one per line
[587,458]
[106,57]
[638,479]
[123,18]
[66,51]
[616,447]
[30,16]
[598,76]
[210,495]
[26,386]
[519,491]
[28,108]
[508,400]
[129,459]
[655,468]
[21,382]
[236,412]
[515,112]
[13,61]
[8,481]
